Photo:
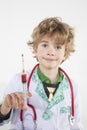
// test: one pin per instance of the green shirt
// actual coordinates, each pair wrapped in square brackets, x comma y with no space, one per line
[46,79]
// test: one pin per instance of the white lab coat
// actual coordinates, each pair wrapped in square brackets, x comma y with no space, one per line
[58,109]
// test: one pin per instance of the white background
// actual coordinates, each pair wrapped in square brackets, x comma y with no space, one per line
[17,21]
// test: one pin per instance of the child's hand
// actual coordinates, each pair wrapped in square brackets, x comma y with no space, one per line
[13,100]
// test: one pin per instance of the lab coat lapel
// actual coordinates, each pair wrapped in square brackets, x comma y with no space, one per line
[39,86]
[59,95]
[41,92]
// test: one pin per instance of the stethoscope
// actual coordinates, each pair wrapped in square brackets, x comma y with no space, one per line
[32,107]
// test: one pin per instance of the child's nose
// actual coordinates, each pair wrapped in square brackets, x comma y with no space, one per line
[51,52]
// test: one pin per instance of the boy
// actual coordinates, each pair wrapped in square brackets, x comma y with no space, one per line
[49,89]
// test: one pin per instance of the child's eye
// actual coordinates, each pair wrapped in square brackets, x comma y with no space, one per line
[58,47]
[44,45]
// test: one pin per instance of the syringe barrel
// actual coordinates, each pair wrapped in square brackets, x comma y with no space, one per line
[24,78]
[24,81]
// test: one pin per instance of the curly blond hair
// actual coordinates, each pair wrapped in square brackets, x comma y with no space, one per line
[54,26]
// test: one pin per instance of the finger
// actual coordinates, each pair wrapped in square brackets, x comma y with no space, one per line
[15,100]
[8,101]
[19,99]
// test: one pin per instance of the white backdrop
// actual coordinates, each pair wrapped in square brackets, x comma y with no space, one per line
[17,20]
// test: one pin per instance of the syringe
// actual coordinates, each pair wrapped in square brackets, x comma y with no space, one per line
[24,82]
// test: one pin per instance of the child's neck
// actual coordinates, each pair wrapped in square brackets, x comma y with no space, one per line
[52,74]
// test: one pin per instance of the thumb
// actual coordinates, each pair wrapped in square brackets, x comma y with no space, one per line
[29,94]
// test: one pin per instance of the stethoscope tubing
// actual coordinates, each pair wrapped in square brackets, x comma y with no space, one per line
[32,107]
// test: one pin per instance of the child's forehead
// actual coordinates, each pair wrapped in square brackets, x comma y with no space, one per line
[55,38]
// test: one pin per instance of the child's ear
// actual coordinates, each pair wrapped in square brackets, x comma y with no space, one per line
[34,51]
[65,57]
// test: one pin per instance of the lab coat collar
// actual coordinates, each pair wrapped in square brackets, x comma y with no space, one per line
[59,94]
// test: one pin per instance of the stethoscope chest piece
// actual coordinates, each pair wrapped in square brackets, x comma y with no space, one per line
[72,120]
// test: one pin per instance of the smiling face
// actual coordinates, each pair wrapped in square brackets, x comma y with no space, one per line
[49,54]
